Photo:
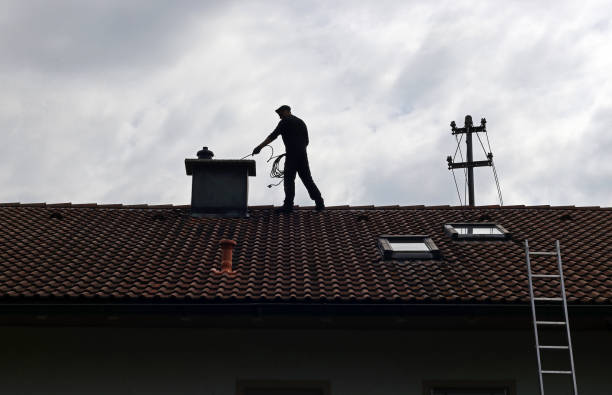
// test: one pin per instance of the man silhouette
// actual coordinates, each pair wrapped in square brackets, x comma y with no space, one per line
[295,137]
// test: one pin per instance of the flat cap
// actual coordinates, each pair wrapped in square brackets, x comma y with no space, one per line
[283,108]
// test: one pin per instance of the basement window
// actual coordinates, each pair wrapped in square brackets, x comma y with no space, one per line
[469,388]
[408,247]
[477,231]
[274,387]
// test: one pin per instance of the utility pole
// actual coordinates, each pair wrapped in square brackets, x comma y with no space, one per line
[470,158]
[468,129]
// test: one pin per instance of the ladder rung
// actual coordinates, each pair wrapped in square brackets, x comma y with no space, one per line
[556,371]
[543,253]
[546,275]
[550,322]
[555,347]
[549,299]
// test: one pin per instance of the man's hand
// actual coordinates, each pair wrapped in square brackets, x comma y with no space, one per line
[267,141]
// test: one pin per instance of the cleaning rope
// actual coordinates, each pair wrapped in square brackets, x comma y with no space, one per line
[276,171]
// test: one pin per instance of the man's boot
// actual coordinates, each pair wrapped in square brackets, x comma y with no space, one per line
[319,205]
[285,208]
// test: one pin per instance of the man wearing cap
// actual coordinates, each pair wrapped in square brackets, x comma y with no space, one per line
[295,137]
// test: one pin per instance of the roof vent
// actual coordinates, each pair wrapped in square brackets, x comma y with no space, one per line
[220,187]
[205,153]
[362,217]
[56,215]
[227,250]
[159,216]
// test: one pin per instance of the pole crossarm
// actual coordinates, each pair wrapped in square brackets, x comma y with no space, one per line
[463,165]
[469,126]
[471,129]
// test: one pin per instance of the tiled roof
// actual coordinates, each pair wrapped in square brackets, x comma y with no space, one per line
[116,253]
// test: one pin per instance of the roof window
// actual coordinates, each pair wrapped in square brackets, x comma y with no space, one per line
[408,247]
[477,231]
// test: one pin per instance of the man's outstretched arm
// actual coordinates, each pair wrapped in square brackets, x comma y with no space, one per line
[267,141]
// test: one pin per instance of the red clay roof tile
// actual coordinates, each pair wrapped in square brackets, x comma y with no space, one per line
[161,253]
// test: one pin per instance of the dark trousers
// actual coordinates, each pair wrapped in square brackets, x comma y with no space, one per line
[298,163]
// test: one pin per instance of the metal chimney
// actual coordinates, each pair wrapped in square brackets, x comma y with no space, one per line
[220,187]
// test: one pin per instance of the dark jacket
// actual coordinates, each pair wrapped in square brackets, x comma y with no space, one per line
[294,133]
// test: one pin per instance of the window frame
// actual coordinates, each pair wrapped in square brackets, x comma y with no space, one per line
[242,386]
[431,385]
[450,230]
[384,244]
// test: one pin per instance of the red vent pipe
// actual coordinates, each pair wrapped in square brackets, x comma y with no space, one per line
[227,249]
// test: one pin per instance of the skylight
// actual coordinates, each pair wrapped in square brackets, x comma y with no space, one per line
[415,246]
[477,231]
[408,247]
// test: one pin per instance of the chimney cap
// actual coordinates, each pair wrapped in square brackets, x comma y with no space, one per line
[205,153]
[218,164]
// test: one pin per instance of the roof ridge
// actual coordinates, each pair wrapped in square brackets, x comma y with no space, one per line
[337,207]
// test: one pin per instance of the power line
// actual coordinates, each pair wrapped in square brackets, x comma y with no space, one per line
[499,193]
[457,187]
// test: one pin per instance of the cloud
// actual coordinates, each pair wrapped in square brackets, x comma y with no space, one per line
[74,37]
[102,101]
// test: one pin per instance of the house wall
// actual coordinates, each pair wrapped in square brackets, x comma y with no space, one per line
[94,360]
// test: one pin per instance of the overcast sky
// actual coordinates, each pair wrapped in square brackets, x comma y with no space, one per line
[102,101]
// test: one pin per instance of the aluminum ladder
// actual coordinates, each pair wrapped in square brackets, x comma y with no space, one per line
[560,324]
